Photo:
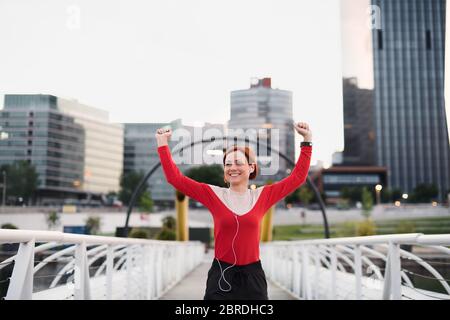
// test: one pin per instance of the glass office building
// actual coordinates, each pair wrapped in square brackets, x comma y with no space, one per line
[264,109]
[359,131]
[33,129]
[410,120]
[103,154]
[140,155]
[77,152]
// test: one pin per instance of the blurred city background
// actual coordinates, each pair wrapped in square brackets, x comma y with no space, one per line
[85,85]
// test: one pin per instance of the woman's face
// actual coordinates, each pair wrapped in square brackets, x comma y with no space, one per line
[237,169]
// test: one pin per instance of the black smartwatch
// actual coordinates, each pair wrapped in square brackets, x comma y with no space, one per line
[306,143]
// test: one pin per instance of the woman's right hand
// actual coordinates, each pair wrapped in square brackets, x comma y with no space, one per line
[163,136]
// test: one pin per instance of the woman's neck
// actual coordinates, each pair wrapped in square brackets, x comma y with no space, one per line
[240,188]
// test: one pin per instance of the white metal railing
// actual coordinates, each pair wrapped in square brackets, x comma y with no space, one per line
[372,267]
[93,267]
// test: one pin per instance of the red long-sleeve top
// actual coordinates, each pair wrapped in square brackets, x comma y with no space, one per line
[246,243]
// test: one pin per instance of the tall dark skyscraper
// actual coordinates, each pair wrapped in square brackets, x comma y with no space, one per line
[410,120]
[359,132]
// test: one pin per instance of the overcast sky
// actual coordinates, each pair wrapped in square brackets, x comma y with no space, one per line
[155,61]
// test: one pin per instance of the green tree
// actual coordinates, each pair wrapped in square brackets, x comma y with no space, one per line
[367,202]
[21,180]
[139,233]
[366,228]
[169,222]
[167,234]
[128,183]
[111,194]
[389,195]
[424,193]
[93,224]
[396,194]
[8,226]
[210,174]
[353,194]
[168,231]
[293,197]
[386,195]
[146,202]
[302,195]
[53,219]
[305,194]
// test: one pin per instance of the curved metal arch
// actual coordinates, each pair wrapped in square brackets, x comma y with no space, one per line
[139,188]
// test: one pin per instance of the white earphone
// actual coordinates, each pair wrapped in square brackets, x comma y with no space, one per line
[222,273]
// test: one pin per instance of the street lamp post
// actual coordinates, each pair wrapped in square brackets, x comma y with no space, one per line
[378,188]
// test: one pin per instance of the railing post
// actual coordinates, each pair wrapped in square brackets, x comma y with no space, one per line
[295,272]
[133,276]
[151,272]
[21,283]
[144,273]
[306,289]
[317,272]
[392,279]
[179,262]
[333,273]
[387,277]
[109,271]
[358,272]
[82,285]
[129,265]
[396,280]
[288,277]
[158,267]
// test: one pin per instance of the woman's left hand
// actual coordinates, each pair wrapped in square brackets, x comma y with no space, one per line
[303,129]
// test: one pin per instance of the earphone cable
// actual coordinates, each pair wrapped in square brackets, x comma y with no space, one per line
[222,273]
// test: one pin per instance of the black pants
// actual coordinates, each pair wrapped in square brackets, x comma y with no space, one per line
[248,282]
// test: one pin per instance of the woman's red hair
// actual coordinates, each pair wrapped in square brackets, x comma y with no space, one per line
[249,155]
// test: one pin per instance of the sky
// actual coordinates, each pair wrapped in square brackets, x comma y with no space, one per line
[156,61]
[357,58]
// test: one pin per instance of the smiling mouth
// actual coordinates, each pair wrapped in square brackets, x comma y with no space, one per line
[234,174]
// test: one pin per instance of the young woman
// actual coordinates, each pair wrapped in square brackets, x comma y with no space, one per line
[237,213]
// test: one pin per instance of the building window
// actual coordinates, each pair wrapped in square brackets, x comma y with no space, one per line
[428,39]
[380,39]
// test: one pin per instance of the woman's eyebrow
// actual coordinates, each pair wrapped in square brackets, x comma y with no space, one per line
[236,160]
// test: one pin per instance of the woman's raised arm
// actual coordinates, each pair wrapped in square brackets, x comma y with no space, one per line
[188,186]
[280,189]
